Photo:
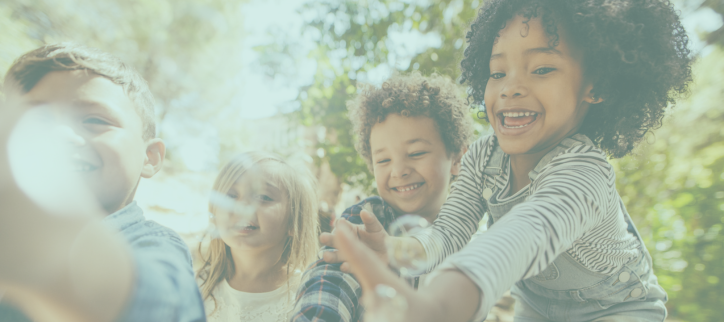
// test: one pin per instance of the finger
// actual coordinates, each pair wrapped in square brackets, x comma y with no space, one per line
[327,239]
[345,268]
[372,224]
[366,266]
[332,256]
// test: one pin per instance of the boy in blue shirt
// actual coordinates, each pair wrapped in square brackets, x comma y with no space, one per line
[70,263]
[412,131]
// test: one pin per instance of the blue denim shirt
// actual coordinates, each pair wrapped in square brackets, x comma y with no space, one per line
[165,289]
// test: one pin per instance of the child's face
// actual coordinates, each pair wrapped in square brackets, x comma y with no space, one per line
[103,131]
[411,165]
[536,95]
[260,219]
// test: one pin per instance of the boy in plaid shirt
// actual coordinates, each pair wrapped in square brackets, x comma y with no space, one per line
[412,132]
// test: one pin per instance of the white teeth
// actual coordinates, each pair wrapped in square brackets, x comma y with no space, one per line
[516,127]
[413,187]
[519,114]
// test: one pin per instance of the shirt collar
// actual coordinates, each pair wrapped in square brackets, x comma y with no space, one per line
[124,218]
[567,143]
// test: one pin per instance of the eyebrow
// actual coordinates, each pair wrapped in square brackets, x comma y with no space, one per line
[539,50]
[409,142]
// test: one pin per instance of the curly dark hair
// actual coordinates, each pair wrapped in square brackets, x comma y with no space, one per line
[436,97]
[636,51]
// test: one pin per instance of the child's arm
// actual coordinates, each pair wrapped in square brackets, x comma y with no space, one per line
[451,296]
[57,265]
[327,295]
[571,196]
[461,214]
[458,220]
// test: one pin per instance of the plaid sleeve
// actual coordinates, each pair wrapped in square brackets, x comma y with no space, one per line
[327,294]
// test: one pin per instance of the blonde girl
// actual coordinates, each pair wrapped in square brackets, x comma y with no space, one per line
[265,216]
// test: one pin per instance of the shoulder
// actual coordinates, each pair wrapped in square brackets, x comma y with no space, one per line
[581,165]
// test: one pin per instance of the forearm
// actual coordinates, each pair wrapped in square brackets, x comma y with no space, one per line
[64,263]
[455,294]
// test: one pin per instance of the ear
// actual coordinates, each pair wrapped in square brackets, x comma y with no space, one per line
[155,152]
[590,97]
[457,161]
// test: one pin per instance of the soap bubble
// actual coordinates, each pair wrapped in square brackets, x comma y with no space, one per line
[40,154]
[410,259]
[385,305]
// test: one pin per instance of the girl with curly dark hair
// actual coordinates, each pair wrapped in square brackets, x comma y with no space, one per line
[563,83]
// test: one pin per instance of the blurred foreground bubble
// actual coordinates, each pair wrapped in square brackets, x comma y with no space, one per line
[40,159]
[385,305]
[408,259]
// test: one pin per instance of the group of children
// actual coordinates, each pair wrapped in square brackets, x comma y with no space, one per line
[563,83]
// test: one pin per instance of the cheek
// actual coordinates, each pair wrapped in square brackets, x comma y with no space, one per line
[274,216]
[380,179]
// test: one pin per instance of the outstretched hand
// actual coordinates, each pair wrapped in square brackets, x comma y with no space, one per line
[371,233]
[372,273]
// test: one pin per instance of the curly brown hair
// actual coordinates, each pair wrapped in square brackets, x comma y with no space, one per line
[436,97]
[635,50]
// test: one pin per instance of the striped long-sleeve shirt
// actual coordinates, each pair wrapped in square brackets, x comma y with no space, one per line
[573,207]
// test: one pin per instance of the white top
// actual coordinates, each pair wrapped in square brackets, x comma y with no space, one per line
[573,207]
[234,305]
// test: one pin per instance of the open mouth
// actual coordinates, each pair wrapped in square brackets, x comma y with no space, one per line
[517,120]
[245,227]
[408,187]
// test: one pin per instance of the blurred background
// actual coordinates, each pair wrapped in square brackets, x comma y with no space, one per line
[232,76]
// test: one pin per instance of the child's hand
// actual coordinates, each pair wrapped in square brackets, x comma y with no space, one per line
[9,116]
[371,233]
[402,304]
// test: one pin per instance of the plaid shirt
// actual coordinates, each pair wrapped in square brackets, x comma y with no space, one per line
[328,294]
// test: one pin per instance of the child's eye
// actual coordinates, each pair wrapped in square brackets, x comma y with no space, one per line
[543,70]
[383,161]
[263,198]
[417,154]
[232,195]
[96,121]
[497,75]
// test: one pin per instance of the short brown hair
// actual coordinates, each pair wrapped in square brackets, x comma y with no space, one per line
[31,67]
[436,97]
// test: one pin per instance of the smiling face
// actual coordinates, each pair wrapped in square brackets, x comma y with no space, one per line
[104,131]
[537,94]
[260,219]
[411,165]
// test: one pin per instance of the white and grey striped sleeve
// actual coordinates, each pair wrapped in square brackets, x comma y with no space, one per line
[570,197]
[461,214]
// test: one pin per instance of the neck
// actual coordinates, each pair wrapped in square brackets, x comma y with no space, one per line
[258,270]
[521,165]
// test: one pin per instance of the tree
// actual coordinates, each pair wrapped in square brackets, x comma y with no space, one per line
[356,40]
[673,186]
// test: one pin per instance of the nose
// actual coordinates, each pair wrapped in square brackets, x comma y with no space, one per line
[244,209]
[513,88]
[400,169]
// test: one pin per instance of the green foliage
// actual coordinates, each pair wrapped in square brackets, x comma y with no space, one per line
[353,39]
[674,190]
[179,46]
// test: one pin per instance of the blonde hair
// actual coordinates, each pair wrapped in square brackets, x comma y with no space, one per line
[301,247]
